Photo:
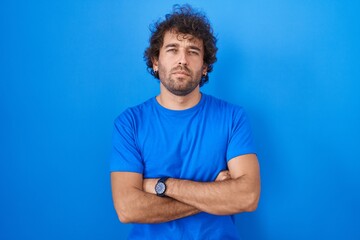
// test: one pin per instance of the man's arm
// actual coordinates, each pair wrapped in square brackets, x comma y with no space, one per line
[238,194]
[132,204]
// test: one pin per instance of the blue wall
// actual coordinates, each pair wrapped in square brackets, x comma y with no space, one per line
[68,68]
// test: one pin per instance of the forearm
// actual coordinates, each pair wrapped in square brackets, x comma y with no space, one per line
[221,198]
[143,207]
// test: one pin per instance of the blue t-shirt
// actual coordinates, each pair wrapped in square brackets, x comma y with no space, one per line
[193,144]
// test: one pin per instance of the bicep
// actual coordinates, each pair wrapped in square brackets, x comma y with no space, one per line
[246,174]
[123,183]
[245,165]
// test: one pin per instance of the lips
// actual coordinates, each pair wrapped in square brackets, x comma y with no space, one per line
[181,73]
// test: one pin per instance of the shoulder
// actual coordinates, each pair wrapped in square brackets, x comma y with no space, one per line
[222,105]
[135,113]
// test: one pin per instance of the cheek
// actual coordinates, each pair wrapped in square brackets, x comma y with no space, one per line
[167,68]
[162,71]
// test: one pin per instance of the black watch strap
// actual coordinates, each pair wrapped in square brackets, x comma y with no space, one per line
[160,187]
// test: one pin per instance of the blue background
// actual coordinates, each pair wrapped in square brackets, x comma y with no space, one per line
[68,68]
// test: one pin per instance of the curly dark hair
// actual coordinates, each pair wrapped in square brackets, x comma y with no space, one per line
[183,19]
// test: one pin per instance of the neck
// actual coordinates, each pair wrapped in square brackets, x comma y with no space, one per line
[174,102]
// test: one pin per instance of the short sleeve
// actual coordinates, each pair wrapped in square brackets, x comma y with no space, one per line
[125,155]
[241,139]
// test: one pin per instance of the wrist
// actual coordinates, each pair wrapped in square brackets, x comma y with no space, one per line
[149,185]
[161,187]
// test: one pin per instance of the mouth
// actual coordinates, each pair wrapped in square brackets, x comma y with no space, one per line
[182,73]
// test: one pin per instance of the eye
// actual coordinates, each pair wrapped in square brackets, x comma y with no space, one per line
[172,50]
[193,52]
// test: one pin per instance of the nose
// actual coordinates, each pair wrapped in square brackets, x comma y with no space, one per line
[182,58]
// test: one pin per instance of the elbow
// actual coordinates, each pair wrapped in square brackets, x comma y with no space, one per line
[123,218]
[252,202]
[124,215]
[251,207]
[245,203]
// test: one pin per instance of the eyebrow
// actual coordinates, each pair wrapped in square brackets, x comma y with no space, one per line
[172,45]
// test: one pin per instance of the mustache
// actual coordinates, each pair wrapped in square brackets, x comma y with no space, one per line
[181,68]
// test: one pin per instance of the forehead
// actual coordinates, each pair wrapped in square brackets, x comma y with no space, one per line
[174,37]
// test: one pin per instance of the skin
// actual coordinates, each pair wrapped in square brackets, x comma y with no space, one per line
[238,194]
[134,205]
[180,66]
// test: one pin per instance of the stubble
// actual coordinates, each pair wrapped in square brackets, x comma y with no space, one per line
[179,86]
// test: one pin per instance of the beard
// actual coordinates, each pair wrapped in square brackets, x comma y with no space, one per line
[179,86]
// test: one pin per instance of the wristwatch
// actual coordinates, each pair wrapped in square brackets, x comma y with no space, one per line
[160,187]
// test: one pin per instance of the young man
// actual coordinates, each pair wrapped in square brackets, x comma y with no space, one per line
[183,162]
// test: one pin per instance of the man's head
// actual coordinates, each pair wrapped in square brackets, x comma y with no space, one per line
[188,36]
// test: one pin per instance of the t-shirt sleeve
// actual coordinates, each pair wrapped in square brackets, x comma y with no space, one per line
[241,139]
[125,155]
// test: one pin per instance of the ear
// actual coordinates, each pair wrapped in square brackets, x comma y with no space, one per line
[155,63]
[204,70]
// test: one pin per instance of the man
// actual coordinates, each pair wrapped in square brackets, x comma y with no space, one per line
[183,162]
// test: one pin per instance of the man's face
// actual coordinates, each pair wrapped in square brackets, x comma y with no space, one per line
[180,64]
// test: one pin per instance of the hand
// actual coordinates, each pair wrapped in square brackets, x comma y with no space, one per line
[223,175]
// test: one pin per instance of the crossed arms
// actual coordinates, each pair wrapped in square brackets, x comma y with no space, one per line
[135,200]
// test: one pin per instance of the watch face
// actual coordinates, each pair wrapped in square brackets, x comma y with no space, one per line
[160,188]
